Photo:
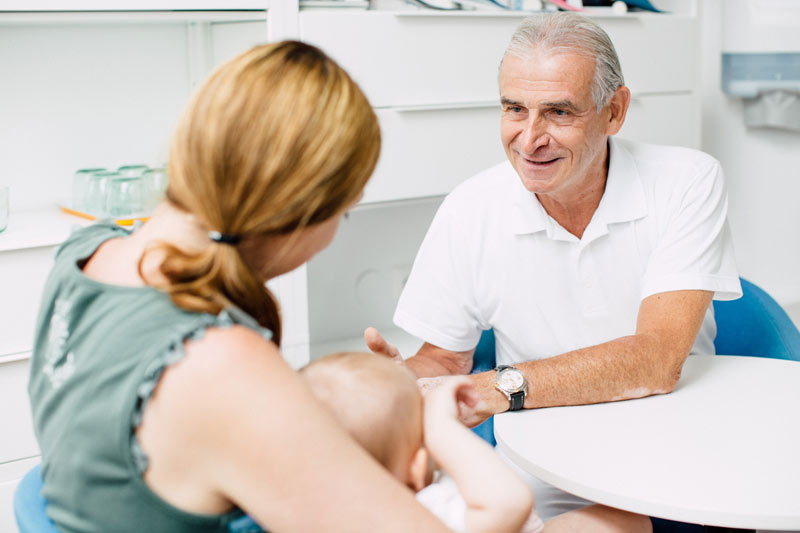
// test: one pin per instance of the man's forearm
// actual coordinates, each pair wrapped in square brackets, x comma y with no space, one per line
[635,366]
[625,368]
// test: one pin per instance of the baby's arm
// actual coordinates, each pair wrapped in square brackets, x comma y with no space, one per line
[496,499]
[598,519]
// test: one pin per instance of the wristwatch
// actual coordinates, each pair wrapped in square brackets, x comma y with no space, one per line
[512,383]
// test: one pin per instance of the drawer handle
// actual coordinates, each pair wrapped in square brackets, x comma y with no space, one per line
[442,106]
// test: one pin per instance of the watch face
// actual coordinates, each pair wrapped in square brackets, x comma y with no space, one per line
[511,380]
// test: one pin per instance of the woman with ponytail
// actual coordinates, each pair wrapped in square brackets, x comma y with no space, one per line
[161,402]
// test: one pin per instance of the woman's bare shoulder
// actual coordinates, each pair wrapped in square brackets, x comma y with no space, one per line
[234,352]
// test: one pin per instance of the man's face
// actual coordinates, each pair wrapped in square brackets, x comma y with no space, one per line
[551,131]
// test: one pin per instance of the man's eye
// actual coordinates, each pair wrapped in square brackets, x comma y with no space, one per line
[560,112]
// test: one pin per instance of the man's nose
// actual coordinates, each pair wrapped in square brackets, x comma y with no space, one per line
[535,134]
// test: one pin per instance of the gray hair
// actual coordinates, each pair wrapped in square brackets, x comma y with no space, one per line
[570,32]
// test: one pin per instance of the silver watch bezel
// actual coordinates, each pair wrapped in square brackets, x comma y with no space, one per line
[499,384]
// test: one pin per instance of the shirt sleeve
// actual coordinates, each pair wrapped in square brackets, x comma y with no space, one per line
[438,302]
[694,250]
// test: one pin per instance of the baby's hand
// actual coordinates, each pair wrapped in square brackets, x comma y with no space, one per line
[449,397]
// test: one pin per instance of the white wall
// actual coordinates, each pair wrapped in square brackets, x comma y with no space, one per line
[762,166]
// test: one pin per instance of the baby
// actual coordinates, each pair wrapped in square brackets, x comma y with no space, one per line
[380,405]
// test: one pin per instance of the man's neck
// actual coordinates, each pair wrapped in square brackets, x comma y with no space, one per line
[574,210]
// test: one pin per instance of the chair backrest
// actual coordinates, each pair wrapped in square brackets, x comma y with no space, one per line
[29,505]
[755,325]
[29,508]
[483,360]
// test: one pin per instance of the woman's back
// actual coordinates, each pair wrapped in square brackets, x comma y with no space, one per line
[99,352]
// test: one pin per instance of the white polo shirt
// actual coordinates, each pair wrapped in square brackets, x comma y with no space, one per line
[494,258]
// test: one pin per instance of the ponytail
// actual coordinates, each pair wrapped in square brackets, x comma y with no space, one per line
[277,139]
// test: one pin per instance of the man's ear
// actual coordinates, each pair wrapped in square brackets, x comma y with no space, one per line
[618,107]
[419,472]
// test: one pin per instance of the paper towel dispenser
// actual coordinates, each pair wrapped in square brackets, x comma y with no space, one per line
[769,84]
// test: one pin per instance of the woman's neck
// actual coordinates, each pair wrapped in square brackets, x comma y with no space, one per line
[117,261]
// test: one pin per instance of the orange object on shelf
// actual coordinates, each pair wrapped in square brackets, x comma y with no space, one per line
[120,221]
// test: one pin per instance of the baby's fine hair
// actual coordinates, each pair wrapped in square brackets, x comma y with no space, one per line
[374,398]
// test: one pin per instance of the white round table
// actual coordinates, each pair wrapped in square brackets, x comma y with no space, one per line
[723,449]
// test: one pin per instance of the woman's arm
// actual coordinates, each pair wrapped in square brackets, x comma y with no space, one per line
[496,498]
[246,430]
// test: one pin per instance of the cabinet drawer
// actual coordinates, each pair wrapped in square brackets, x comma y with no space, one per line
[427,153]
[653,119]
[22,276]
[658,53]
[18,440]
[411,60]
[10,476]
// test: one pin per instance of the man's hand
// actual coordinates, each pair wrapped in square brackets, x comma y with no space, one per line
[452,397]
[378,345]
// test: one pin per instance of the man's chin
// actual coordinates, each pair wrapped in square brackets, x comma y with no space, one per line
[537,183]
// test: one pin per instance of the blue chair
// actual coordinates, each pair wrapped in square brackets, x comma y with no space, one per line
[483,360]
[29,508]
[29,505]
[755,325]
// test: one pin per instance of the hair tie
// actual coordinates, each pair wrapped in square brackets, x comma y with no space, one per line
[224,238]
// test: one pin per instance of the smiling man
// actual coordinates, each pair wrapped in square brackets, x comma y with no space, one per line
[594,259]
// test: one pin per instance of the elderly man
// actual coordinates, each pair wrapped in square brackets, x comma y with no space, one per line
[594,259]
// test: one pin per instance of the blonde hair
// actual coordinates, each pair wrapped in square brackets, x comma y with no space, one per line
[276,139]
[377,401]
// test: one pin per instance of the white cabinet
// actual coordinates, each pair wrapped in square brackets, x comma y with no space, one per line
[18,440]
[664,119]
[406,59]
[428,151]
[10,475]
[403,59]
[22,274]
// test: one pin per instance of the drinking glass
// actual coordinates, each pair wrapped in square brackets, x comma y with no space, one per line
[132,171]
[156,184]
[96,187]
[80,181]
[126,197]
[3,207]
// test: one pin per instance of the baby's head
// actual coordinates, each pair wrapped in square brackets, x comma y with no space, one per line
[379,404]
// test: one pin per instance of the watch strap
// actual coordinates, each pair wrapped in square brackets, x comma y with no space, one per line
[517,399]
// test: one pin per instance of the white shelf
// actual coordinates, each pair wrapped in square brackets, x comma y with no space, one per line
[69,17]
[37,228]
[12,357]
[130,5]
[506,13]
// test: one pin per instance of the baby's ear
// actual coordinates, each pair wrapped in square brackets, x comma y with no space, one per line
[420,473]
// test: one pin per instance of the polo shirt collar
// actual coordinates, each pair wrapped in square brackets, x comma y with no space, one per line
[623,200]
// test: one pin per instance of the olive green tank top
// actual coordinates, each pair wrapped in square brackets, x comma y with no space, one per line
[98,354]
